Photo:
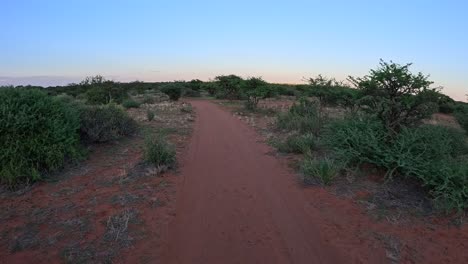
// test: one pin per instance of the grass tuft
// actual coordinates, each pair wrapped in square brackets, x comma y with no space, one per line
[319,171]
[159,152]
[130,103]
[150,115]
[300,144]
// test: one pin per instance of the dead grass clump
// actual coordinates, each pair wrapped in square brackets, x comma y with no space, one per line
[117,228]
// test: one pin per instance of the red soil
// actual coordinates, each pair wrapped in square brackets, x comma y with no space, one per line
[71,215]
[238,204]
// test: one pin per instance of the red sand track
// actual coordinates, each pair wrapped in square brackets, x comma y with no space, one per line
[240,205]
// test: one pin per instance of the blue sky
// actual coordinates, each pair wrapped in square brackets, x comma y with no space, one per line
[55,42]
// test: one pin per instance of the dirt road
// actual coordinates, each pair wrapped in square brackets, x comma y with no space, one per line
[238,204]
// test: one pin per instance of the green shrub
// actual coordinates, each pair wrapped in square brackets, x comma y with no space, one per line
[65,98]
[417,151]
[443,103]
[150,115]
[37,134]
[446,107]
[461,114]
[434,155]
[321,171]
[229,87]
[256,89]
[396,96]
[159,152]
[173,90]
[192,93]
[210,87]
[106,92]
[105,123]
[358,139]
[130,103]
[450,186]
[287,90]
[304,116]
[186,109]
[301,144]
[81,97]
[332,92]
[148,99]
[195,85]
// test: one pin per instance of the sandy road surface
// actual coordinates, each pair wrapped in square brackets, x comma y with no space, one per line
[238,204]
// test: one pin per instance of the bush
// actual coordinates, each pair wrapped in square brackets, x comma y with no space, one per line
[150,115]
[287,90]
[417,151]
[148,99]
[173,90]
[450,187]
[101,91]
[229,87]
[461,114]
[332,92]
[187,108]
[395,96]
[446,107]
[256,89]
[304,116]
[192,93]
[443,103]
[210,87]
[130,103]
[434,155]
[300,144]
[105,123]
[321,171]
[37,134]
[357,139]
[159,152]
[195,85]
[65,98]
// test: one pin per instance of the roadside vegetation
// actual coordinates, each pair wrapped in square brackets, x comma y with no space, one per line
[103,123]
[383,126]
[44,129]
[38,133]
[378,120]
[79,178]
[159,152]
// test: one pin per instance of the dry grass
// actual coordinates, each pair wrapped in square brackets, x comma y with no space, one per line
[117,227]
[125,199]
[392,247]
[26,237]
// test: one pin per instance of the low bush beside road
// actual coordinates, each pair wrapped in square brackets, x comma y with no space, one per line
[38,133]
[159,152]
[105,123]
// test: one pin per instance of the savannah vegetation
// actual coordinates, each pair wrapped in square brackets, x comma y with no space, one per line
[382,125]
[44,129]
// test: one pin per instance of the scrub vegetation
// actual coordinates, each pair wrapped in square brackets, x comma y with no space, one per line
[99,149]
[381,123]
